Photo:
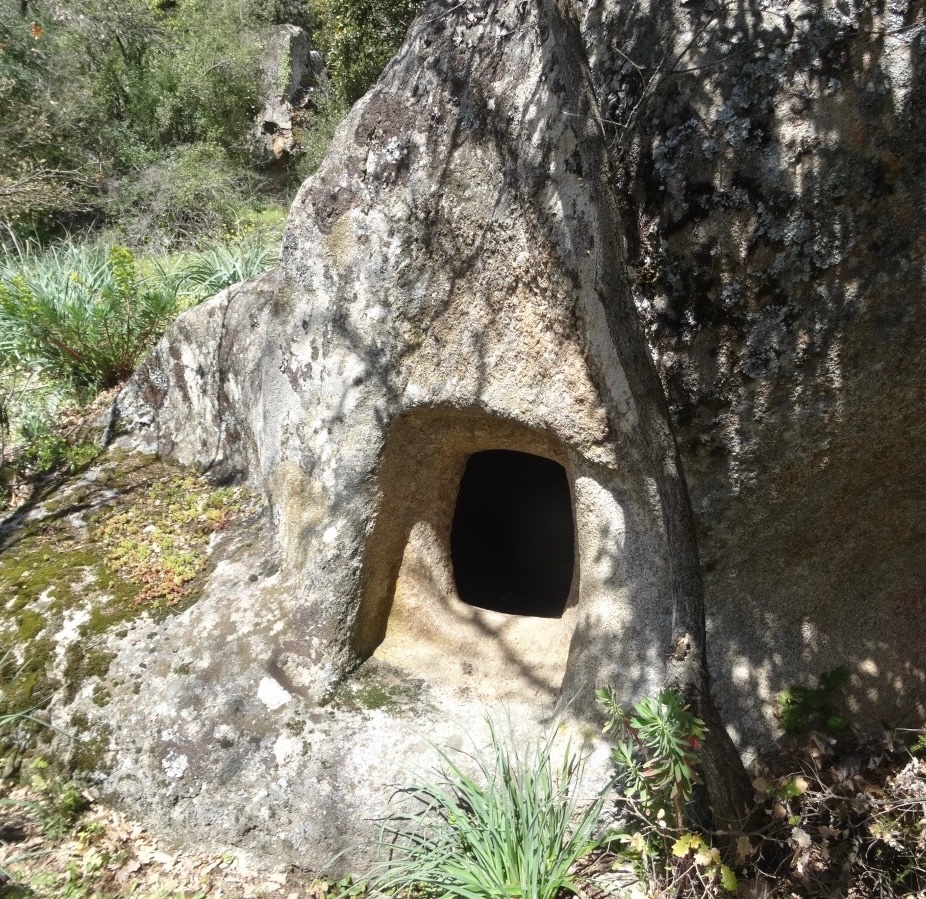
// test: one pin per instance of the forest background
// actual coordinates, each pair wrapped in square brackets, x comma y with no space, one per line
[130,189]
[130,183]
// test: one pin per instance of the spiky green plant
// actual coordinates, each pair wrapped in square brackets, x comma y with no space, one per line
[655,749]
[81,315]
[84,316]
[220,265]
[515,829]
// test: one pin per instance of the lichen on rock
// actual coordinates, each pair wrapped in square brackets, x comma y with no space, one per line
[771,175]
[70,591]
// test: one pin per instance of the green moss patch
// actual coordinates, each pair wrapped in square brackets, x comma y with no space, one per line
[158,542]
[374,690]
[128,539]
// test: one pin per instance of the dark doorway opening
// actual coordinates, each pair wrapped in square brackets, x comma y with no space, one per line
[512,540]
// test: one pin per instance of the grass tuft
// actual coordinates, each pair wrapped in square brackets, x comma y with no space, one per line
[515,829]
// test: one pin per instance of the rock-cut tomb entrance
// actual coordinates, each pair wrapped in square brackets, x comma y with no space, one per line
[475,574]
[512,542]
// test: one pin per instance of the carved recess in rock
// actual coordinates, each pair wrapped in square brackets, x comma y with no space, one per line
[440,293]
[443,291]
[434,268]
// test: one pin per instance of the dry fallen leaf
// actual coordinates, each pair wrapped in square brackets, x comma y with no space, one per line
[744,849]
[707,855]
[866,787]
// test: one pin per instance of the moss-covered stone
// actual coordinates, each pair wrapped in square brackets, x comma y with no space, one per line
[31,624]
[129,538]
[83,660]
[90,747]
[373,690]
[101,695]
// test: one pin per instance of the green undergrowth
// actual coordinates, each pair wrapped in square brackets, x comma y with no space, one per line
[128,539]
[508,820]
[802,709]
[52,452]
[82,316]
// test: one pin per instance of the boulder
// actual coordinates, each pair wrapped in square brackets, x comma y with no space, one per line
[290,72]
[770,170]
[439,295]
[433,356]
[449,343]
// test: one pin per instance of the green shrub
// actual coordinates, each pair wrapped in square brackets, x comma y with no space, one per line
[358,37]
[28,407]
[43,449]
[52,452]
[655,750]
[655,757]
[136,115]
[193,191]
[198,84]
[220,265]
[46,117]
[82,315]
[515,829]
[315,139]
[94,92]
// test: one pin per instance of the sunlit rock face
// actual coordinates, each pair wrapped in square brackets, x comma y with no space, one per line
[770,165]
[438,296]
[441,295]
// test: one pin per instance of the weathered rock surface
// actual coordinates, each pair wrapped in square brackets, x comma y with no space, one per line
[770,162]
[440,292]
[195,397]
[443,289]
[209,742]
